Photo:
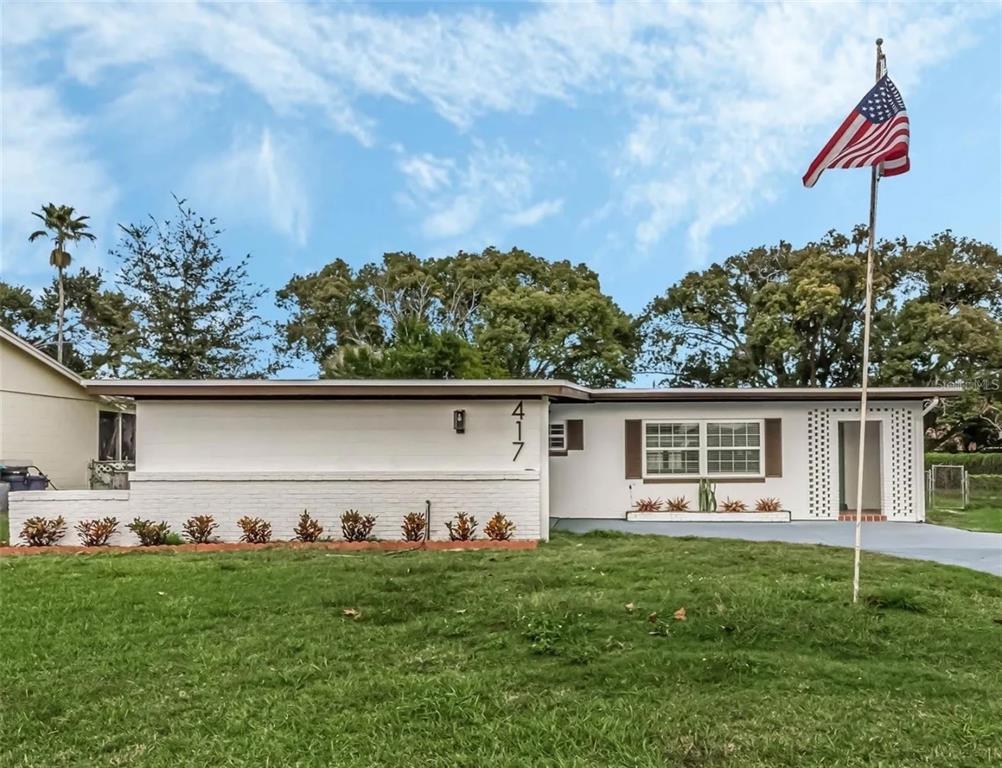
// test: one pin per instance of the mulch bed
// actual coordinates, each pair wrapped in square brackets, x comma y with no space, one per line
[349,546]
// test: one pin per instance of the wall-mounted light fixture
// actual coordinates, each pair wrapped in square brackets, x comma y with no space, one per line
[459,421]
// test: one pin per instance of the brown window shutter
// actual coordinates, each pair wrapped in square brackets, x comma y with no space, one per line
[575,435]
[773,447]
[634,448]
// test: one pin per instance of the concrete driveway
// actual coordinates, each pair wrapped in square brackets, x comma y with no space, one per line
[920,541]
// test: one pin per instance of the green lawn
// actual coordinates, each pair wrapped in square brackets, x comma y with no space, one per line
[979,516]
[499,659]
[984,510]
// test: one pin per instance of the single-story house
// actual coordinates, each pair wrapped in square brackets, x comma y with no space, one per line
[535,450]
[50,419]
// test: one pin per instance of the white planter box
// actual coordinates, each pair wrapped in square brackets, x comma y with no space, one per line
[710,517]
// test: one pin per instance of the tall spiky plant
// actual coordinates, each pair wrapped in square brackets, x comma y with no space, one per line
[63,227]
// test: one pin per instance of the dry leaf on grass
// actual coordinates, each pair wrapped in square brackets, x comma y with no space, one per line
[630,607]
[352,613]
[652,618]
[679,614]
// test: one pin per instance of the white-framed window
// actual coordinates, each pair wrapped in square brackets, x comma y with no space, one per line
[703,448]
[558,436]
[671,448]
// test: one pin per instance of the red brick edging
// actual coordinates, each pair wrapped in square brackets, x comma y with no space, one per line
[350,546]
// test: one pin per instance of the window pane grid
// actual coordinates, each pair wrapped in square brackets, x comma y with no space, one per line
[732,435]
[718,448]
[741,461]
[673,462]
[662,435]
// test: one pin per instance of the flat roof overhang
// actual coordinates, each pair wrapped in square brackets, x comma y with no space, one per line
[746,394]
[339,388]
[557,390]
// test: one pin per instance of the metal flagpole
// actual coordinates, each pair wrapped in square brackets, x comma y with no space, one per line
[867,312]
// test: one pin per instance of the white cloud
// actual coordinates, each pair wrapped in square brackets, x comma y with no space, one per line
[45,158]
[490,191]
[531,216]
[258,178]
[427,173]
[720,101]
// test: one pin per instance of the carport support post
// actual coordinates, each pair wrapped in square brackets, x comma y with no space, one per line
[867,312]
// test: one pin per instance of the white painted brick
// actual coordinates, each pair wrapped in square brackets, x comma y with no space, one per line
[281,502]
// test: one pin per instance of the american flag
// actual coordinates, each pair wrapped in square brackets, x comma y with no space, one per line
[874,133]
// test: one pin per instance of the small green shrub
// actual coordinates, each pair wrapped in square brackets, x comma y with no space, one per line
[256,530]
[707,495]
[43,531]
[462,528]
[199,529]
[414,526]
[308,529]
[499,528]
[173,539]
[356,526]
[150,534]
[95,533]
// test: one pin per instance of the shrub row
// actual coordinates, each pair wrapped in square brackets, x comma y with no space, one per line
[45,532]
[681,504]
[976,463]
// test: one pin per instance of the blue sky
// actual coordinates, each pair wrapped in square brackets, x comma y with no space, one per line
[643,139]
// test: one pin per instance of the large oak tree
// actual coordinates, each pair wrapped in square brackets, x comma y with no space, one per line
[517,315]
[784,316]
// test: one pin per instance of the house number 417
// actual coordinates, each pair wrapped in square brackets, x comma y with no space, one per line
[518,442]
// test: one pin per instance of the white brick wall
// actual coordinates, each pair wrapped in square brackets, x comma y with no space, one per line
[281,501]
[74,506]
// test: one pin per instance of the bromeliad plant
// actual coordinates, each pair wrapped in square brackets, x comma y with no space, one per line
[414,526]
[768,504]
[499,528]
[198,529]
[95,533]
[678,504]
[649,505]
[462,528]
[733,505]
[308,529]
[256,530]
[43,531]
[356,526]
[150,534]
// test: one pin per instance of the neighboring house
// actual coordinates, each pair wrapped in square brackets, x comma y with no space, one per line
[534,450]
[48,418]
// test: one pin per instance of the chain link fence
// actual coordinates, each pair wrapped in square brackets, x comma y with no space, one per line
[948,487]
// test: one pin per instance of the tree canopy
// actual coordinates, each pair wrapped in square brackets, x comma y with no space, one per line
[785,316]
[517,315]
[99,329]
[195,311]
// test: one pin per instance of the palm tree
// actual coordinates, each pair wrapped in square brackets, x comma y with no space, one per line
[61,225]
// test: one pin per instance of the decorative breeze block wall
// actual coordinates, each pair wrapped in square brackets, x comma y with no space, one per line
[900,485]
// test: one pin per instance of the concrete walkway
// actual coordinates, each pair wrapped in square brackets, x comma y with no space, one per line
[921,541]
